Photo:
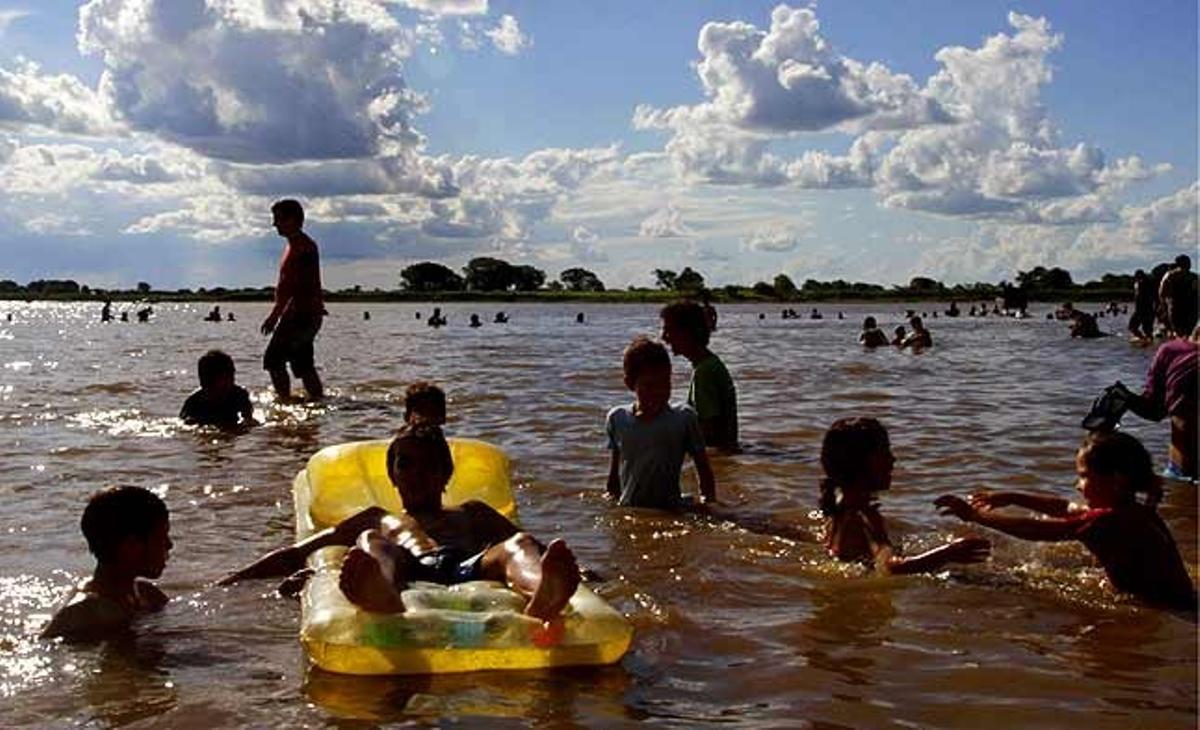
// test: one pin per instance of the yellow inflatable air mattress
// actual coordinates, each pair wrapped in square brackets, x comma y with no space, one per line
[463,628]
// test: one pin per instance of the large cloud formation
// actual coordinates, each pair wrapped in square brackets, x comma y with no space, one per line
[975,140]
[256,81]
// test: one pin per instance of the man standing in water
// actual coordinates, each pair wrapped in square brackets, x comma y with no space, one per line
[296,317]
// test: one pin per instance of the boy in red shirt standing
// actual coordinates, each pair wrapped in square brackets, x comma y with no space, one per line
[296,317]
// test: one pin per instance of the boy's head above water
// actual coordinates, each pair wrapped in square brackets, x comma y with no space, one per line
[420,465]
[1113,467]
[648,374]
[216,371]
[869,323]
[128,528]
[425,403]
[685,328]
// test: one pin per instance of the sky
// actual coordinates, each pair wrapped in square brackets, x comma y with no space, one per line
[144,140]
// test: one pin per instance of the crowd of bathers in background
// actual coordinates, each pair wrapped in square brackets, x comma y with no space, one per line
[127,528]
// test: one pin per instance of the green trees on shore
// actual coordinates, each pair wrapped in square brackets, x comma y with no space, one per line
[489,277]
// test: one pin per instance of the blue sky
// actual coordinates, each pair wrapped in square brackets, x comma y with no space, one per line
[145,139]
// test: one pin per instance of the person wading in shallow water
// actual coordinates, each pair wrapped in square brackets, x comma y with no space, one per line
[296,317]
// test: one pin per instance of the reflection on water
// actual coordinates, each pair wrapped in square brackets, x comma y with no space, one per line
[740,620]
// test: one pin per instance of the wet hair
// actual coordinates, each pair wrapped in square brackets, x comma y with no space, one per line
[642,354]
[1116,453]
[116,514]
[425,397]
[898,331]
[212,365]
[1184,261]
[689,317]
[916,322]
[289,209]
[845,450]
[429,439]
[870,323]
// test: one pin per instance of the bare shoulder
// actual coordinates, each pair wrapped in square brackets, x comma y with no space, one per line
[86,617]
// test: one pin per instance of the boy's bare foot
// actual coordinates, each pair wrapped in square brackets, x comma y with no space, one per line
[368,576]
[560,578]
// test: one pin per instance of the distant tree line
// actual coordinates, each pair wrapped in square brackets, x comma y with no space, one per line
[487,275]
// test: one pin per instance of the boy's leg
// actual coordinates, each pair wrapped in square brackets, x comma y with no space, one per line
[547,578]
[372,574]
[282,384]
[312,384]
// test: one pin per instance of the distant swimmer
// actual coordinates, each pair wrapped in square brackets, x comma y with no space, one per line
[436,319]
[501,318]
[760,315]
[418,315]
[579,318]
[9,316]
[231,318]
[815,314]
[953,311]
[1083,325]
[971,313]
[106,311]
[871,335]
[124,316]
[366,316]
[919,338]
[143,314]
[898,336]
[475,321]
[214,315]
[841,315]
[1178,285]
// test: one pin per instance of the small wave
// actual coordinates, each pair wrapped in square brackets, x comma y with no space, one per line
[118,388]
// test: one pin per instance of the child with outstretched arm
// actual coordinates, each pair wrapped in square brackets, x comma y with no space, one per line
[1126,536]
[649,438]
[857,458]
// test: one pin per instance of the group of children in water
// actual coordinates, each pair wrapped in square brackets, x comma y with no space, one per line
[127,528]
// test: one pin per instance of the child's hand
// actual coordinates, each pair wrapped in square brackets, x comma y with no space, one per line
[968,550]
[951,506]
[985,499]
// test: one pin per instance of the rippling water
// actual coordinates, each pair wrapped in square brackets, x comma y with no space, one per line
[734,625]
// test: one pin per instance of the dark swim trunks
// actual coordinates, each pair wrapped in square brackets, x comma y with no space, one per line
[292,344]
[446,565]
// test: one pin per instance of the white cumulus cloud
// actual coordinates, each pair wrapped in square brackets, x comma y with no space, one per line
[507,36]
[254,81]
[665,222]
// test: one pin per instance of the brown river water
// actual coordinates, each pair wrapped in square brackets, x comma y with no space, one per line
[743,625]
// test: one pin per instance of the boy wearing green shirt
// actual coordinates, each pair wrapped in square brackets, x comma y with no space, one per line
[712,393]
